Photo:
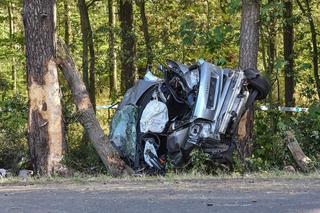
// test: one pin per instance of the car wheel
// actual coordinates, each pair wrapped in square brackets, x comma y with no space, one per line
[262,85]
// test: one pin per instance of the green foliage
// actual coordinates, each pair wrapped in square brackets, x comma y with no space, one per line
[233,6]
[13,141]
[202,163]
[81,155]
[187,30]
[269,147]
[307,130]
[270,151]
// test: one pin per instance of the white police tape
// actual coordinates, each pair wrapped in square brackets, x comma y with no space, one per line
[286,109]
[112,106]
[264,108]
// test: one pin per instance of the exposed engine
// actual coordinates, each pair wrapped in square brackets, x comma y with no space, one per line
[190,107]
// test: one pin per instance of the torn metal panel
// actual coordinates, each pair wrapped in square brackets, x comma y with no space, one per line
[134,93]
[192,106]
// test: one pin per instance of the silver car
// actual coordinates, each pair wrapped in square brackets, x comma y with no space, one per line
[200,106]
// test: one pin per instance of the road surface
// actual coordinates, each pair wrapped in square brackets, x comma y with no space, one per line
[163,195]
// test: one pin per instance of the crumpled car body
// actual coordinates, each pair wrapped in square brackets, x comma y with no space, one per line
[200,106]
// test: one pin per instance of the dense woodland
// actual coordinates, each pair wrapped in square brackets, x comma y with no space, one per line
[113,41]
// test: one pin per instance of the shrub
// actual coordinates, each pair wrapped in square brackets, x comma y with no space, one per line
[13,126]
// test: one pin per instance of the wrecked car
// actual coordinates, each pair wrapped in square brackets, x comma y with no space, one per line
[198,106]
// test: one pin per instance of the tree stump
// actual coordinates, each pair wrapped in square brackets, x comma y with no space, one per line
[298,155]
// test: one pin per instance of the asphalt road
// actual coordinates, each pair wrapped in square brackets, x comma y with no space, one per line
[153,196]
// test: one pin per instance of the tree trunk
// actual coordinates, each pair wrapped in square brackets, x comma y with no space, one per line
[112,59]
[272,33]
[127,43]
[288,53]
[263,51]
[45,123]
[249,34]
[249,43]
[307,12]
[208,15]
[67,22]
[145,29]
[85,49]
[92,90]
[88,50]
[108,154]
[11,36]
[298,155]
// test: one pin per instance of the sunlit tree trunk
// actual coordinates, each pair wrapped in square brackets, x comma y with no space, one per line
[45,121]
[11,36]
[88,55]
[249,43]
[288,53]
[112,56]
[128,70]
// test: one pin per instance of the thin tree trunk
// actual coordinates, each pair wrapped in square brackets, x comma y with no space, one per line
[249,43]
[108,154]
[11,36]
[85,48]
[112,59]
[45,121]
[288,53]
[208,14]
[145,29]
[128,44]
[307,12]
[271,52]
[88,50]
[92,79]
[263,51]
[67,22]
[271,48]
[278,89]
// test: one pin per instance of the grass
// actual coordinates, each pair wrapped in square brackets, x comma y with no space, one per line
[171,177]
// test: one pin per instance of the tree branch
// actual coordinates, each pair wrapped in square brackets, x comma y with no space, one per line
[89,4]
[108,154]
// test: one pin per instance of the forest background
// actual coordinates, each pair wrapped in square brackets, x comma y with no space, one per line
[107,38]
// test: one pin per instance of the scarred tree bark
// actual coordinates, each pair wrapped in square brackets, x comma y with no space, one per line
[108,154]
[45,123]
[249,43]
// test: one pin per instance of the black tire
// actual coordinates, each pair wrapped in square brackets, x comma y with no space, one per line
[262,85]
